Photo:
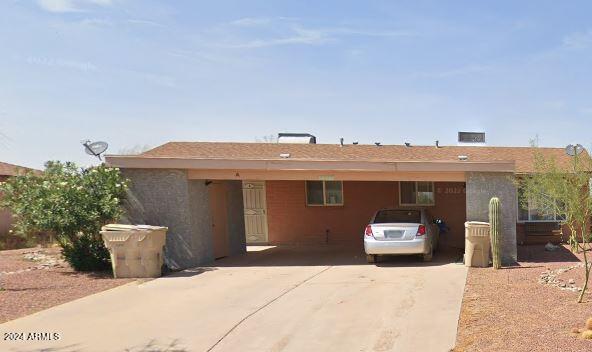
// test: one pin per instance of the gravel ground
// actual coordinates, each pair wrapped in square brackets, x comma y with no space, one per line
[34,279]
[509,310]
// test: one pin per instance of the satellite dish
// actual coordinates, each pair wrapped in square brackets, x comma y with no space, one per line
[573,150]
[95,148]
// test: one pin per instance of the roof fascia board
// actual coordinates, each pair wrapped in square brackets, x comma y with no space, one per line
[182,163]
[311,175]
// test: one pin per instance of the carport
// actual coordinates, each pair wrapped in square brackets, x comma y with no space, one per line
[279,212]
[217,197]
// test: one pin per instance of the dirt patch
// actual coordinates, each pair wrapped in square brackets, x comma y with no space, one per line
[35,279]
[513,310]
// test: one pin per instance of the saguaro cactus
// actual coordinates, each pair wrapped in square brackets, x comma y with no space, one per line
[496,223]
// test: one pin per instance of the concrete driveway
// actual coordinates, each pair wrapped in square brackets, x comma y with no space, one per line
[278,299]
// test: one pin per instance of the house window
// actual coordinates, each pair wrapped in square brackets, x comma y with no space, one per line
[416,193]
[326,193]
[530,212]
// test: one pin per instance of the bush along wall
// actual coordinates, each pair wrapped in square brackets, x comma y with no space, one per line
[70,202]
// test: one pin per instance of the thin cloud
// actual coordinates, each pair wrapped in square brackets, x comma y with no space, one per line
[100,22]
[63,6]
[251,21]
[261,21]
[371,33]
[61,63]
[298,34]
[145,23]
[578,40]
[459,71]
[58,5]
[207,57]
[96,22]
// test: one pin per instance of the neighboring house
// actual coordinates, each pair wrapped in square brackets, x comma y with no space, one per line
[214,195]
[6,171]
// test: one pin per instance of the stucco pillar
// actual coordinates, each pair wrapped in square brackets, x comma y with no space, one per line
[235,217]
[481,187]
[168,198]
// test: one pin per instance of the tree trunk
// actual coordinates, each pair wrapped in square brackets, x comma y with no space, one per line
[586,275]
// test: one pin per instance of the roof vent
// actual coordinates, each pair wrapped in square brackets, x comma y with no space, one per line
[284,155]
[297,138]
[463,158]
[471,138]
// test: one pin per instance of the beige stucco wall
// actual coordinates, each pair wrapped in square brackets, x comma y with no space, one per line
[481,187]
[169,198]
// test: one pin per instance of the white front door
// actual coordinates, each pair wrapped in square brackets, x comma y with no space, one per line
[255,211]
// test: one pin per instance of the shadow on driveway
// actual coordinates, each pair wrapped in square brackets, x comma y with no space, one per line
[187,272]
[326,255]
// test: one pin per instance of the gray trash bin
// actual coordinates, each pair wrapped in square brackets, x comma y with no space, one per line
[136,250]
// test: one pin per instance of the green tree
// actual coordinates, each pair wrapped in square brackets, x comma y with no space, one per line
[563,191]
[70,202]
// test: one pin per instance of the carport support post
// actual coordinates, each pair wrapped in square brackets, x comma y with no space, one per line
[237,240]
[481,187]
[166,197]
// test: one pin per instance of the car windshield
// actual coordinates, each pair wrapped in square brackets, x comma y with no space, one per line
[389,216]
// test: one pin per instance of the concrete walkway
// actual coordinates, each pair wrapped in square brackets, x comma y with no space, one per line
[279,299]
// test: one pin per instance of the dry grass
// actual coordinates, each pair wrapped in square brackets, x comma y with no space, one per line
[508,310]
[589,324]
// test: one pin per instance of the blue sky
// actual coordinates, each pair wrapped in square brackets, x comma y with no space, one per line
[138,72]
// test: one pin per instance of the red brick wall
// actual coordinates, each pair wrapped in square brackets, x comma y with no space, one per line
[291,221]
[521,237]
[451,200]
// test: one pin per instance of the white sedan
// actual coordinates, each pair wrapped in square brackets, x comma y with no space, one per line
[400,231]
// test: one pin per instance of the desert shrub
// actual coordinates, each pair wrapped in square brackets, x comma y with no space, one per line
[70,202]
[587,335]
[564,190]
[87,254]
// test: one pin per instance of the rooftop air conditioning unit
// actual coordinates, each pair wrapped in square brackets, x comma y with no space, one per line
[471,138]
[297,138]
